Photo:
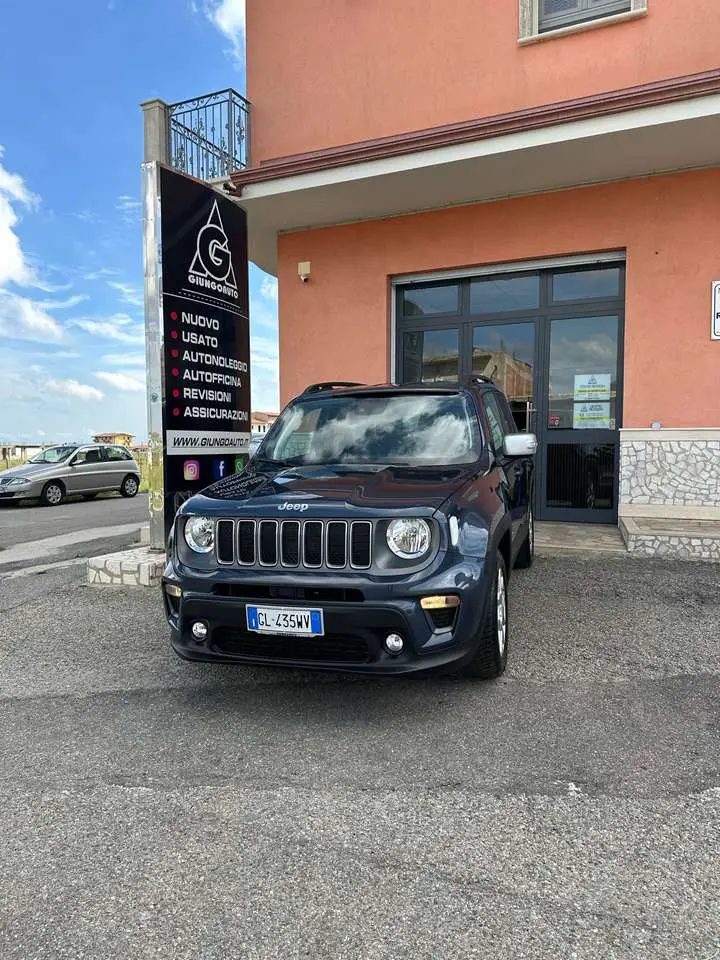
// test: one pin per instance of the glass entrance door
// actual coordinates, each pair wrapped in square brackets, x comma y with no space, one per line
[578,413]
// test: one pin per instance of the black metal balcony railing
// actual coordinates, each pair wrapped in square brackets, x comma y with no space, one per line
[209,136]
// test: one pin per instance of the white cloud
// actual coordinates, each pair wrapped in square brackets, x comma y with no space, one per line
[229,18]
[124,359]
[264,354]
[118,327]
[129,209]
[14,266]
[99,274]
[128,382]
[87,216]
[24,319]
[71,388]
[72,301]
[269,289]
[128,293]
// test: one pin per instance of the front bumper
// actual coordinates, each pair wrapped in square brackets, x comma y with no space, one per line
[355,628]
[28,491]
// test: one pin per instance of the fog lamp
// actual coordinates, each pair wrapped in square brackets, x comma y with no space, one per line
[394,643]
[199,630]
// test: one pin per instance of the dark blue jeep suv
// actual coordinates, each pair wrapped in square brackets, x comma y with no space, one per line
[373,533]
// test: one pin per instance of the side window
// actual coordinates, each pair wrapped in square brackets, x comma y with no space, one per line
[91,455]
[117,453]
[495,420]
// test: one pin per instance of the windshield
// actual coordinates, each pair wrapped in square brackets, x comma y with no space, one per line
[414,429]
[52,455]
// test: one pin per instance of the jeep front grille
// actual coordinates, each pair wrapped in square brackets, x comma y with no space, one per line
[310,544]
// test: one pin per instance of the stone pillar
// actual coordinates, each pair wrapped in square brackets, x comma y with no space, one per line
[157,131]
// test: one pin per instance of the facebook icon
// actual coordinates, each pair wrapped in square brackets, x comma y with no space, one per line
[219,469]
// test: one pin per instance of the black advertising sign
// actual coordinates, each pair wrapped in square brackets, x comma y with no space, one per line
[206,333]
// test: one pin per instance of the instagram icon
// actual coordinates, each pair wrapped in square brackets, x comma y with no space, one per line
[191,470]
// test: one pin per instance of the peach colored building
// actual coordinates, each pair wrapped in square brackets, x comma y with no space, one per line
[525,189]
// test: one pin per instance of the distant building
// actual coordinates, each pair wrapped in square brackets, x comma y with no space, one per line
[122,439]
[20,451]
[261,422]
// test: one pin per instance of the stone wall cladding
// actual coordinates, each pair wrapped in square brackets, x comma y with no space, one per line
[676,548]
[670,472]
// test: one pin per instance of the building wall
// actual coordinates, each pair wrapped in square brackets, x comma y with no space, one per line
[332,72]
[338,325]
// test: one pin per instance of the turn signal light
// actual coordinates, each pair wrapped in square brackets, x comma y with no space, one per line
[440,602]
[172,590]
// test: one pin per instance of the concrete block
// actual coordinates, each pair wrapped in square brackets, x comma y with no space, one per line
[139,567]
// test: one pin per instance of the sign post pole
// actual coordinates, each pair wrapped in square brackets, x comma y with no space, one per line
[152,257]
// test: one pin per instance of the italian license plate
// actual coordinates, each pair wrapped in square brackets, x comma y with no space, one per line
[301,623]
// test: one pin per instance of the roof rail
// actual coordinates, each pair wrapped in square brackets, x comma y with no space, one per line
[330,385]
[478,378]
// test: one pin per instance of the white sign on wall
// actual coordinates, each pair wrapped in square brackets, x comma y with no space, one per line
[715,327]
[592,386]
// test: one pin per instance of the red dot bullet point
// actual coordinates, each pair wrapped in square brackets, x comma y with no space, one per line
[176,393]
[175,372]
[173,315]
[175,354]
[174,334]
[176,411]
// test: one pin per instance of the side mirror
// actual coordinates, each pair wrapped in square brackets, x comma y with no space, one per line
[521,445]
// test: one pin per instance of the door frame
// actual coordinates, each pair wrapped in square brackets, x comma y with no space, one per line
[546,436]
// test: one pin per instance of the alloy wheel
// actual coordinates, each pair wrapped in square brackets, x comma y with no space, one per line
[53,494]
[501,615]
[531,532]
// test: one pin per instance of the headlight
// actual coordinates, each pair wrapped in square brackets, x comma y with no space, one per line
[18,481]
[200,534]
[409,539]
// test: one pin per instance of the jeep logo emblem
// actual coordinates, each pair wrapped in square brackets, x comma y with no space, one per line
[300,507]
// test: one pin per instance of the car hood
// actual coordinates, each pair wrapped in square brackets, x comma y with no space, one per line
[367,487]
[30,470]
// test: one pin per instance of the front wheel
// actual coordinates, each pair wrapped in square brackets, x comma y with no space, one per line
[53,494]
[130,486]
[490,659]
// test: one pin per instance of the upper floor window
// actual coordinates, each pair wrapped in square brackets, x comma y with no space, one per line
[554,14]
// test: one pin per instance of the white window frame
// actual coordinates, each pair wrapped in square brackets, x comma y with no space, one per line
[530,20]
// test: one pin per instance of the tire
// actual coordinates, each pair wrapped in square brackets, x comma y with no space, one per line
[89,496]
[53,494]
[130,486]
[490,659]
[526,553]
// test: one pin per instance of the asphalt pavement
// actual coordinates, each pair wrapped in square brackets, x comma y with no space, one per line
[154,808]
[32,534]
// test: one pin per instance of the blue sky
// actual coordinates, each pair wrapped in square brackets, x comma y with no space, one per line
[71,317]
